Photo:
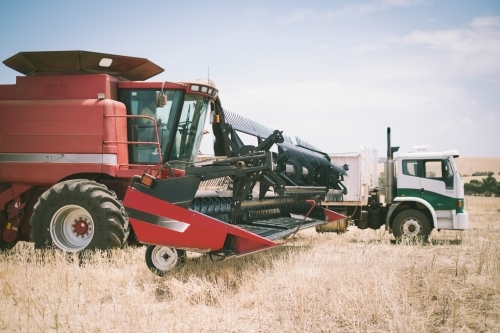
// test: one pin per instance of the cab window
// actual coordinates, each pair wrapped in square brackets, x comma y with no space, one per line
[410,167]
[440,170]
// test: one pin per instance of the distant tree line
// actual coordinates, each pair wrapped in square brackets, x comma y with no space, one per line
[479,173]
[487,186]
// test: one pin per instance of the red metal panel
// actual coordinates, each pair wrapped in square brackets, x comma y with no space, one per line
[43,173]
[7,91]
[244,246]
[115,129]
[73,126]
[112,170]
[62,87]
[333,216]
[52,144]
[204,234]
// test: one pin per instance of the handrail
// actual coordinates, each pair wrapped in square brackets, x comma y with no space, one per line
[139,142]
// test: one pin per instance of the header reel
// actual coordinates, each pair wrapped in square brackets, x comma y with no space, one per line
[294,174]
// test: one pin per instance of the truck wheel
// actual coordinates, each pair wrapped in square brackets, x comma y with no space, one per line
[161,259]
[412,224]
[79,214]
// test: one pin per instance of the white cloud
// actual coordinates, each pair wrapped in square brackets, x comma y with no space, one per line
[464,41]
[474,50]
[337,115]
[306,14]
[491,120]
[299,15]
[258,13]
[368,7]
[362,49]
[322,47]
[401,3]
[486,21]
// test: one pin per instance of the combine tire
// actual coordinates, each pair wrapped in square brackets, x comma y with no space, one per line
[162,259]
[4,246]
[411,223]
[77,215]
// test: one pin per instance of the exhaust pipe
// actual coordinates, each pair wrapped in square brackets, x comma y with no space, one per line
[390,178]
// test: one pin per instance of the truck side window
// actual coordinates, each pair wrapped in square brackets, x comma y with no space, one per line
[433,169]
[410,167]
[439,170]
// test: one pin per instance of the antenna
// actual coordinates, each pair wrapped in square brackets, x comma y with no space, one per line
[208,75]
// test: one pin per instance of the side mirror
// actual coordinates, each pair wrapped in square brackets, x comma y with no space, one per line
[161,99]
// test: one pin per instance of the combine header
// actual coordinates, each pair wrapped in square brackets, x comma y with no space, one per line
[257,196]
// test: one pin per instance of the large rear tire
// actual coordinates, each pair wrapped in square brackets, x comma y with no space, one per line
[77,215]
[162,259]
[411,223]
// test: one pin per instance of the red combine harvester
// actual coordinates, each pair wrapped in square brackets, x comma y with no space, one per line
[78,129]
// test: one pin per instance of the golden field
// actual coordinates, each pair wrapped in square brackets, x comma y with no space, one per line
[356,282]
[469,165]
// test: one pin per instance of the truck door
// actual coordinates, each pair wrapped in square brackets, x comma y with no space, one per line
[409,178]
[437,184]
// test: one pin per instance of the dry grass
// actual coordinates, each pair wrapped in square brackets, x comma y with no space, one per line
[355,282]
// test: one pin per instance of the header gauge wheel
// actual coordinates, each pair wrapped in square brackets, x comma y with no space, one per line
[162,259]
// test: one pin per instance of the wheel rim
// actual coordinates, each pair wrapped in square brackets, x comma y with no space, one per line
[411,227]
[164,258]
[72,228]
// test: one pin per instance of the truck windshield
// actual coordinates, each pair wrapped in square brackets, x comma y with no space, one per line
[190,130]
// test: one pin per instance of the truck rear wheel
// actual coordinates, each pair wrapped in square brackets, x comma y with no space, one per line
[161,259]
[79,214]
[411,223]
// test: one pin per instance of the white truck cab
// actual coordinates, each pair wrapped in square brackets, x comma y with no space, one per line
[429,193]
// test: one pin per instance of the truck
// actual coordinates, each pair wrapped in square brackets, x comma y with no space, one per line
[93,156]
[423,191]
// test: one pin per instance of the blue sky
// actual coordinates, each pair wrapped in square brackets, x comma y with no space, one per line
[335,73]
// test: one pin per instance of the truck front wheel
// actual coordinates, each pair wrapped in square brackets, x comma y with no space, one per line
[79,214]
[411,223]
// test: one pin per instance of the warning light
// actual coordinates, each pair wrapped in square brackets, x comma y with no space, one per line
[147,180]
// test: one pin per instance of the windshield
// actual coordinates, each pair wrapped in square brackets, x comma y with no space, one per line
[180,135]
[143,103]
[190,130]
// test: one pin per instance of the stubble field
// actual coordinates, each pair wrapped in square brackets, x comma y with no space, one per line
[356,282]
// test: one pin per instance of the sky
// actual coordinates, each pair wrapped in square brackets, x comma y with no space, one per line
[334,73]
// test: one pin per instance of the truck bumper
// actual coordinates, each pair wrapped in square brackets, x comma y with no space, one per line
[462,221]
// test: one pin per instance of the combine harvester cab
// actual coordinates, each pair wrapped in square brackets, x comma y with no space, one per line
[236,205]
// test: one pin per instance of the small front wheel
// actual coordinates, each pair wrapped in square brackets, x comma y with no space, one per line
[162,259]
[411,223]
